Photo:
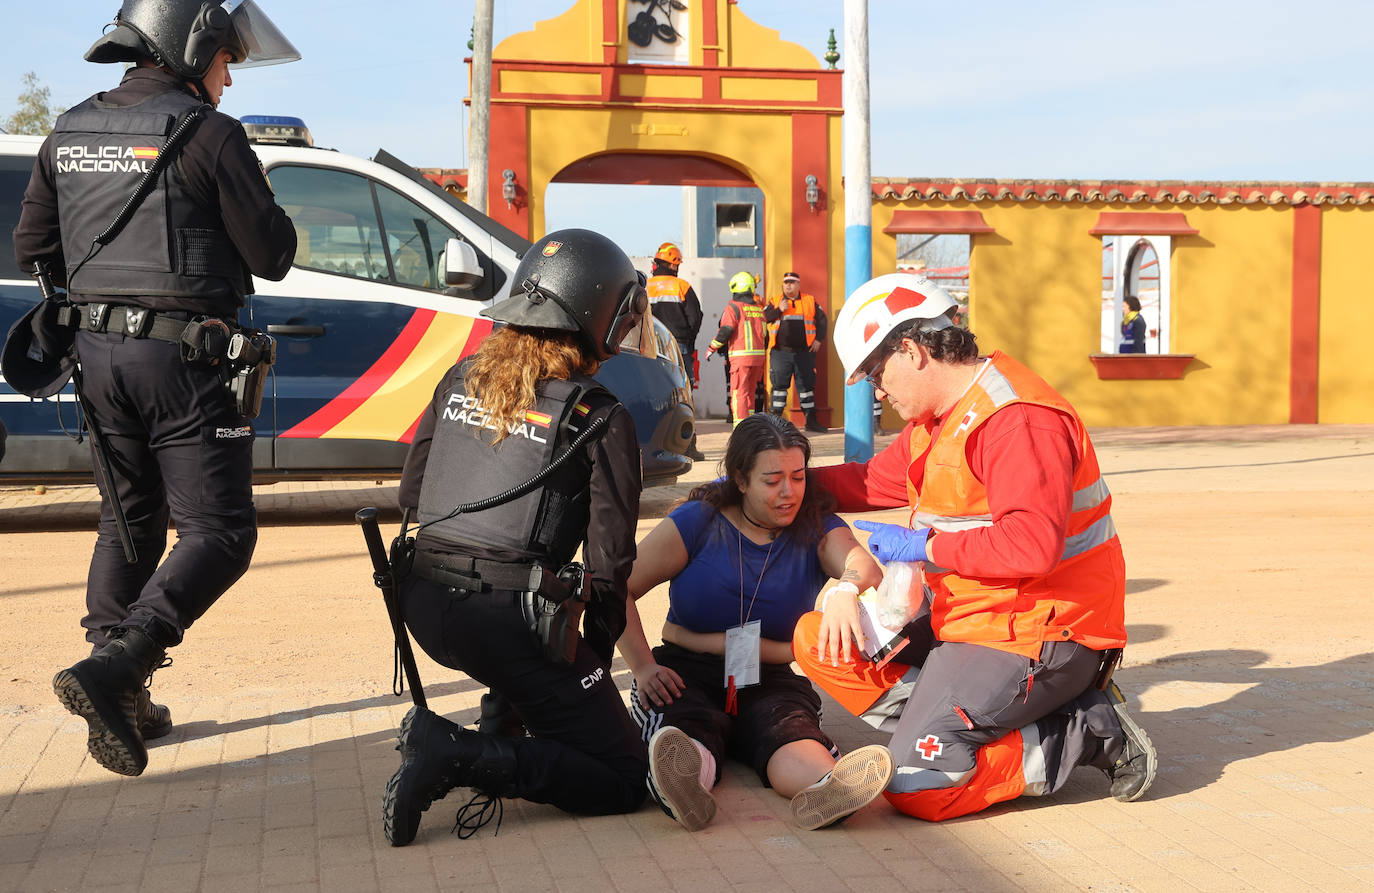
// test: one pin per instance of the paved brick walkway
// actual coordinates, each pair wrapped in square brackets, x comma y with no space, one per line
[1250,664]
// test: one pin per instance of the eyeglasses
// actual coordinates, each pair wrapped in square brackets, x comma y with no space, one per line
[872,372]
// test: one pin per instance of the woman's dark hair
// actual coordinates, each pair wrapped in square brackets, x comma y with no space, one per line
[760,432]
[1132,303]
[951,345]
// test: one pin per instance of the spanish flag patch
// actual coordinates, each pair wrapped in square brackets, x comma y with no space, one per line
[539,418]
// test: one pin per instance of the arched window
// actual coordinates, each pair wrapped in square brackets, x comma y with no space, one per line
[1135,267]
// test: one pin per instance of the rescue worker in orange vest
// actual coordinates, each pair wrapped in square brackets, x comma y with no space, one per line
[796,326]
[1004,686]
[744,332]
[675,304]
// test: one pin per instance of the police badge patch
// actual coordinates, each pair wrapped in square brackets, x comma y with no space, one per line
[551,248]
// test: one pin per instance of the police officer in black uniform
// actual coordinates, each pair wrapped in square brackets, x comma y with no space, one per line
[177,443]
[493,592]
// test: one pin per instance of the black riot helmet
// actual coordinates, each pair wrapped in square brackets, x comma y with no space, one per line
[575,280]
[184,35]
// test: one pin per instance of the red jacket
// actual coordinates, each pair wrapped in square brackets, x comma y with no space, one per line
[1026,550]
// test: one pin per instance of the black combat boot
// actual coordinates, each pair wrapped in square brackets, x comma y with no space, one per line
[154,720]
[437,756]
[498,717]
[104,690]
[812,424]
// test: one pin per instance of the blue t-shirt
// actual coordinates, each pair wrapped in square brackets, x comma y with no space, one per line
[705,596]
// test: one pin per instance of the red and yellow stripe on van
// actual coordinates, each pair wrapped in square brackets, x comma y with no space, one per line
[386,401]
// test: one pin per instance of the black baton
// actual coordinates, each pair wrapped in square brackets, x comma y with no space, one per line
[385,579]
[103,466]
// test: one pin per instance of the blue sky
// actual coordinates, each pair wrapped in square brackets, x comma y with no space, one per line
[1222,90]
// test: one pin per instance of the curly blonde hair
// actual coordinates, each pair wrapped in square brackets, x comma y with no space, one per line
[510,364]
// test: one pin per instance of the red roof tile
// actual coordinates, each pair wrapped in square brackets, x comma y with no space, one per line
[1125,192]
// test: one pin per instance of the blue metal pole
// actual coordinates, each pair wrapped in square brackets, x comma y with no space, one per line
[858,212]
[858,398]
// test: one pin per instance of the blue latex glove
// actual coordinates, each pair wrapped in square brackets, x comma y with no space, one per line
[892,542]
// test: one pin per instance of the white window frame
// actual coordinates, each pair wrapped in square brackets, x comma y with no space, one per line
[1112,309]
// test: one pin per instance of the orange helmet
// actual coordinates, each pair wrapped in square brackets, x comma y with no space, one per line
[669,254]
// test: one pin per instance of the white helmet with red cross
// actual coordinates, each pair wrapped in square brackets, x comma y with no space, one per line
[879,306]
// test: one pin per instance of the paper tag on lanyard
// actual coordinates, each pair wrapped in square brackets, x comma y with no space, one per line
[742,655]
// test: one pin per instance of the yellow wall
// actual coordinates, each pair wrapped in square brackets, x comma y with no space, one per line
[1035,291]
[1345,392]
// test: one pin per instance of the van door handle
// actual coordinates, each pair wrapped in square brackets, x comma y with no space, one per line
[303,331]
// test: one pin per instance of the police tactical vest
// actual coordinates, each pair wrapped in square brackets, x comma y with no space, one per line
[172,246]
[546,525]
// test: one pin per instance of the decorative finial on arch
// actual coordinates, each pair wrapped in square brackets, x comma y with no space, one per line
[832,55]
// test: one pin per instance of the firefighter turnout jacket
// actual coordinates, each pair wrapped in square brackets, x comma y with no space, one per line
[743,329]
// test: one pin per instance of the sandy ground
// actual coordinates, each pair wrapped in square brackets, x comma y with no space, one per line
[1250,662]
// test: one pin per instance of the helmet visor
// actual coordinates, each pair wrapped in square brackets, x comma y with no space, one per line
[628,315]
[259,41]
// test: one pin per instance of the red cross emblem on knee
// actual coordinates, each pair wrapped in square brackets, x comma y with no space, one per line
[930,747]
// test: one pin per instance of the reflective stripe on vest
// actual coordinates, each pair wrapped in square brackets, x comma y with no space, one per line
[669,289]
[803,309]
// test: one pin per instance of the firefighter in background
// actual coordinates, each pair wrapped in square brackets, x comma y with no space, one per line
[796,327]
[675,305]
[744,332]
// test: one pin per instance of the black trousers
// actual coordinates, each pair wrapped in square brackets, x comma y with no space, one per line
[783,366]
[584,754]
[179,450]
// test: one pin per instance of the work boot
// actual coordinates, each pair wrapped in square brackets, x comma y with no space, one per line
[1134,770]
[675,779]
[812,424]
[104,690]
[154,720]
[498,717]
[437,756]
[693,452]
[856,779]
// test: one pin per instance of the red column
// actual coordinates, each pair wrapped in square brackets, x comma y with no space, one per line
[1306,320]
[509,150]
[810,235]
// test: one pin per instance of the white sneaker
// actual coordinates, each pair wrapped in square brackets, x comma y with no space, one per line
[675,779]
[858,777]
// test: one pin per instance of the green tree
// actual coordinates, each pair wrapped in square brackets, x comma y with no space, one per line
[35,113]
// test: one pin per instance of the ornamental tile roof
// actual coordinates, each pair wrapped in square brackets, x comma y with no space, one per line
[1149,192]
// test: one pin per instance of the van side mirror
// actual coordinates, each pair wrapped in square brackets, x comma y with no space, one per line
[461,267]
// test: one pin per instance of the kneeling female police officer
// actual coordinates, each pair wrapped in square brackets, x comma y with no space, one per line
[493,592]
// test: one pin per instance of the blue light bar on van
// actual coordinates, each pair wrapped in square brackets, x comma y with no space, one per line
[277,130]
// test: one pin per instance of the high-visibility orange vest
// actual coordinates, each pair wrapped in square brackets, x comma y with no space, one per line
[667,288]
[804,309]
[1083,598]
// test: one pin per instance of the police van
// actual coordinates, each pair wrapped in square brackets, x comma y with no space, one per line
[390,275]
